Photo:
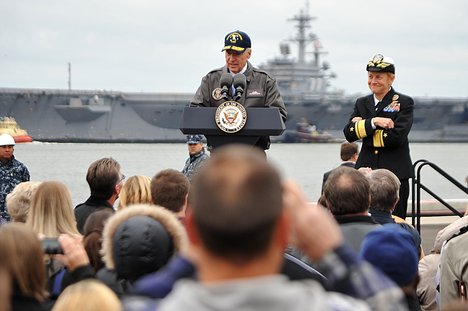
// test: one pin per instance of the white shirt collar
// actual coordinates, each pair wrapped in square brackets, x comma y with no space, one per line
[376,101]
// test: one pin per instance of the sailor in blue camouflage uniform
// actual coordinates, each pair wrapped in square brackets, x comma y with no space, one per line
[383,120]
[12,172]
[197,155]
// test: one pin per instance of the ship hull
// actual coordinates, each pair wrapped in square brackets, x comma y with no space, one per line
[22,139]
[99,116]
[48,115]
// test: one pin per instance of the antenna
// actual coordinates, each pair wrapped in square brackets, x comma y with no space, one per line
[285,50]
[69,76]
[303,23]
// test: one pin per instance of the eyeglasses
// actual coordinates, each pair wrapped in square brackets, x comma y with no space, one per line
[122,178]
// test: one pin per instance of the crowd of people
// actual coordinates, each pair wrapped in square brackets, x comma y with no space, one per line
[228,232]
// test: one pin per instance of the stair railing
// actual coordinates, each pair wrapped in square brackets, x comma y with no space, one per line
[417,185]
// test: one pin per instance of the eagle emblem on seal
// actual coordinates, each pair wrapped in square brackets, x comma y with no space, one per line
[231,117]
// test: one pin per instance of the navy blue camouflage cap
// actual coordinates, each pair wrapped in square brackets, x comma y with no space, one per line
[237,41]
[194,139]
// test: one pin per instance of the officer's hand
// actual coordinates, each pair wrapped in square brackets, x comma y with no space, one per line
[355,119]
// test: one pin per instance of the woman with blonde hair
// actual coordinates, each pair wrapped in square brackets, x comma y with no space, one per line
[90,295]
[21,254]
[18,201]
[51,215]
[51,212]
[136,190]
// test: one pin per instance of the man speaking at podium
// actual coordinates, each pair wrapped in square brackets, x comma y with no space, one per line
[238,80]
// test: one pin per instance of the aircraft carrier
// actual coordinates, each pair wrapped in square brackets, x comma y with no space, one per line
[110,116]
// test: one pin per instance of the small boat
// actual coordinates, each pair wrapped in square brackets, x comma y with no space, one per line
[306,133]
[9,126]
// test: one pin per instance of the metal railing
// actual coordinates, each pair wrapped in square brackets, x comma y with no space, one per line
[417,185]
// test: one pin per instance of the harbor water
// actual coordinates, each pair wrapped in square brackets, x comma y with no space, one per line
[304,163]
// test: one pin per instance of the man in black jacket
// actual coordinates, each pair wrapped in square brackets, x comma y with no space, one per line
[105,182]
[383,121]
[349,153]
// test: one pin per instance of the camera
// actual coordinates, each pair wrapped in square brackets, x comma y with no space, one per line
[51,246]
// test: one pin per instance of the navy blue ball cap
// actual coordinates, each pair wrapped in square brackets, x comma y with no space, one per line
[393,251]
[380,63]
[194,139]
[237,41]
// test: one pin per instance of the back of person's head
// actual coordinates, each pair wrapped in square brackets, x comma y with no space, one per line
[384,189]
[102,177]
[22,256]
[391,249]
[90,295]
[18,201]
[92,239]
[346,191]
[236,201]
[348,150]
[169,189]
[140,240]
[51,210]
[136,190]
[322,202]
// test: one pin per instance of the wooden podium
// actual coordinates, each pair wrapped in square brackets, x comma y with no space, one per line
[260,122]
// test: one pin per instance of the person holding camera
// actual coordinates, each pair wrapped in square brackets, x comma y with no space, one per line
[50,215]
[68,254]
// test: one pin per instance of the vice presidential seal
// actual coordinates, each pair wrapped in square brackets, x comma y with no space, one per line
[230,117]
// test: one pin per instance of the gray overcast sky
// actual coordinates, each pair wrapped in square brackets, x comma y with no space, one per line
[167,46]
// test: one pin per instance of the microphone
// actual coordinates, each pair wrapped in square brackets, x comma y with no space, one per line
[239,85]
[225,83]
